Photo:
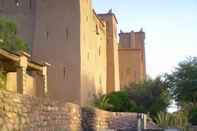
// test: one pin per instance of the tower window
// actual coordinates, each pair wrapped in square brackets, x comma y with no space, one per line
[17,2]
[100,80]
[99,51]
[88,56]
[47,34]
[67,33]
[64,72]
[97,30]
[87,18]
[135,75]
[30,4]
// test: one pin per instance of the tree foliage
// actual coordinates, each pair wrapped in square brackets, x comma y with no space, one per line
[116,102]
[183,81]
[150,96]
[183,84]
[8,38]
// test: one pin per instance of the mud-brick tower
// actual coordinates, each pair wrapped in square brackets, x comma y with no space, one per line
[132,63]
[113,81]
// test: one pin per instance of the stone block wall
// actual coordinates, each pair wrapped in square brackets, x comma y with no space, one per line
[193,128]
[25,113]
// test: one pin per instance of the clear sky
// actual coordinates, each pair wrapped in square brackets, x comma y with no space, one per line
[170,26]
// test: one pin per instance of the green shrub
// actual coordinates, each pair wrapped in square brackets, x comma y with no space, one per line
[193,116]
[175,120]
[119,102]
[116,102]
[102,103]
[150,96]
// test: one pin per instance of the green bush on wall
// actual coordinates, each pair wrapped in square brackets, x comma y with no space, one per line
[150,96]
[116,102]
[193,116]
[9,40]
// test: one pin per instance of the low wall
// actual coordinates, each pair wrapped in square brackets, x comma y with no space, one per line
[193,128]
[25,113]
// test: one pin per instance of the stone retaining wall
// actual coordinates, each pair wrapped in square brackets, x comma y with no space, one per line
[193,128]
[25,113]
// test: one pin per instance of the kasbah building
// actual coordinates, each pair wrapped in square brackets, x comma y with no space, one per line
[82,47]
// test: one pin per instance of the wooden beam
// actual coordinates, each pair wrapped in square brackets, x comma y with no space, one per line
[9,55]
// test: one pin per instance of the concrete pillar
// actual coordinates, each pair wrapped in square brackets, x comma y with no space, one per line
[142,121]
[21,72]
[45,79]
[44,75]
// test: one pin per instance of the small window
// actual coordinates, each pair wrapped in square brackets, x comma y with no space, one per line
[88,56]
[99,51]
[18,3]
[67,33]
[64,72]
[100,80]
[47,34]
[30,4]
[97,30]
[128,70]
[87,18]
[135,75]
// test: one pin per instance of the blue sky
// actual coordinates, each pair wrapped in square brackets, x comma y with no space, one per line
[170,26]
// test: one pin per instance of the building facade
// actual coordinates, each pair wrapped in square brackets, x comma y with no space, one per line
[132,57]
[113,80]
[80,45]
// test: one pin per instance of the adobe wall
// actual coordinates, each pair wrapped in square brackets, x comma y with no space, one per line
[24,113]
[132,63]
[23,14]
[93,53]
[113,81]
[130,66]
[192,128]
[30,84]
[57,41]
[52,28]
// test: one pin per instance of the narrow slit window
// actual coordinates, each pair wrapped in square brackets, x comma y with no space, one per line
[64,72]
[30,4]
[67,34]
[99,51]
[47,35]
[97,30]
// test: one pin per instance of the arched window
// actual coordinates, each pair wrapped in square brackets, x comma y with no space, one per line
[18,3]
